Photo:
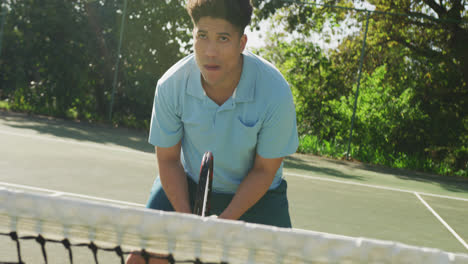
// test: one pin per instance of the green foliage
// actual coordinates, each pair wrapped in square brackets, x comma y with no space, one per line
[390,118]
[380,135]
[72,113]
[382,115]
[312,144]
[4,105]
[412,109]
[311,75]
[302,17]
[381,119]
[59,57]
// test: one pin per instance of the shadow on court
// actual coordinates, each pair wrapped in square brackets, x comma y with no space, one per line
[137,140]
[84,132]
[450,183]
[293,162]
[364,172]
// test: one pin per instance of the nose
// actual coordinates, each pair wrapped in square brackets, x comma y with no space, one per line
[211,49]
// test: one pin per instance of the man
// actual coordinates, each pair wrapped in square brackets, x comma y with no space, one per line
[232,103]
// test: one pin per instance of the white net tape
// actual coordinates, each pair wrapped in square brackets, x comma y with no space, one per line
[190,236]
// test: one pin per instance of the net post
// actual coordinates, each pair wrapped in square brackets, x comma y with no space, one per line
[116,72]
[2,23]
[358,84]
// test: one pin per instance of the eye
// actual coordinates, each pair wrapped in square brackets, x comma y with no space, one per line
[201,36]
[223,39]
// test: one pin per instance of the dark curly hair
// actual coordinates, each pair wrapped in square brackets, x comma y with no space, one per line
[236,12]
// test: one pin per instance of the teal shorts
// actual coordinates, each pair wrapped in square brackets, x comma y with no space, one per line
[271,209]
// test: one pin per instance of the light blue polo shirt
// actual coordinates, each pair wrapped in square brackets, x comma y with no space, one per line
[258,118]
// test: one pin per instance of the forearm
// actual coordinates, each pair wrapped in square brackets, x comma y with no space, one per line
[174,183]
[251,189]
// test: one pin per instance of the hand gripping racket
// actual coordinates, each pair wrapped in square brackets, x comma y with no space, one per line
[202,199]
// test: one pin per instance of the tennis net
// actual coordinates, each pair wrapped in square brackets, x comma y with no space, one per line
[73,225]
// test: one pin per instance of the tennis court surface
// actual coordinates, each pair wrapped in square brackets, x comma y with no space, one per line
[117,167]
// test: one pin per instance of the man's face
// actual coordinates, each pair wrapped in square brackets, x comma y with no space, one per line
[218,47]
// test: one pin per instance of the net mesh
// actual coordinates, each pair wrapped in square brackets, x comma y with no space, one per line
[99,227]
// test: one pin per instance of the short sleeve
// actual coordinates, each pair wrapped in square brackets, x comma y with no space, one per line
[278,135]
[166,126]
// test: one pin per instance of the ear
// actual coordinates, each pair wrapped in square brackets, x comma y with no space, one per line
[243,42]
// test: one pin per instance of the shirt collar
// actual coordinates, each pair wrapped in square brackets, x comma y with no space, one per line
[245,90]
[194,86]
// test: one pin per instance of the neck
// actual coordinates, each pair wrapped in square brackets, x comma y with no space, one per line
[220,93]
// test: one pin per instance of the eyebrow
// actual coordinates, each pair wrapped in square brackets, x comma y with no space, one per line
[220,33]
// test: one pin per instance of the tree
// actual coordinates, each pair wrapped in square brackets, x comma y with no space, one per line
[310,74]
[422,43]
[61,55]
[427,47]
[157,34]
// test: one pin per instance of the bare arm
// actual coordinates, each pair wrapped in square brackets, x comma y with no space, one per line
[253,187]
[173,179]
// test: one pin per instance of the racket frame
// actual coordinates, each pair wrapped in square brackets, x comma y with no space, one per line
[204,187]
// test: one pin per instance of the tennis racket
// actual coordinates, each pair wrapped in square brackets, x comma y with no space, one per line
[205,181]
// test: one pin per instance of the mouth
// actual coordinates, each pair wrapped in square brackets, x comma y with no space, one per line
[211,67]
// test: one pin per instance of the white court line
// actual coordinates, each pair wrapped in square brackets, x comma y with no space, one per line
[373,186]
[442,221]
[84,144]
[55,193]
